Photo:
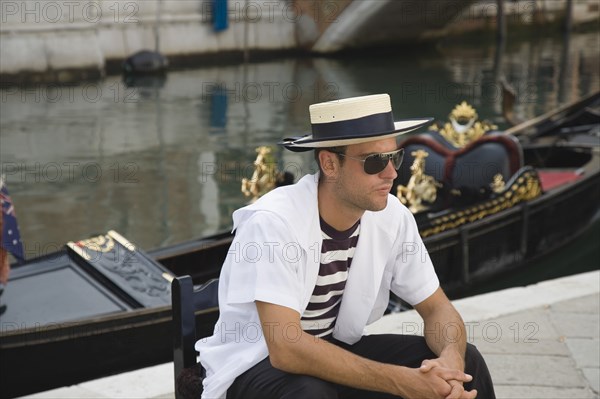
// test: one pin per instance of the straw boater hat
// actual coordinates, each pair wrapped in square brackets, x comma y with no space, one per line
[352,121]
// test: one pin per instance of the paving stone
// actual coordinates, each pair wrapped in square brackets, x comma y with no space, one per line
[585,352]
[535,351]
[508,345]
[72,392]
[592,375]
[143,383]
[587,304]
[536,392]
[527,327]
[535,370]
[576,325]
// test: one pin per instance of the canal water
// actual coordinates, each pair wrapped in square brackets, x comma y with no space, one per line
[161,160]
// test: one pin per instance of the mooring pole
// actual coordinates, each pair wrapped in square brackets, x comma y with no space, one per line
[501,22]
[157,26]
[568,16]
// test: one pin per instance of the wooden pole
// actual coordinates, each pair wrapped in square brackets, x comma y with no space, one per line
[498,56]
[246,51]
[501,22]
[157,26]
[568,16]
[581,103]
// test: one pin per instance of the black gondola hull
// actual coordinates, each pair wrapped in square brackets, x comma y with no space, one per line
[42,348]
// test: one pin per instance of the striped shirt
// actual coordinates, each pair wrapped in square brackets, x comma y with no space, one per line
[336,256]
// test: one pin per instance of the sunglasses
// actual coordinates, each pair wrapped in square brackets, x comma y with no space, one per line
[375,163]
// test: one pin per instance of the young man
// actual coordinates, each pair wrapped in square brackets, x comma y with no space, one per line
[313,263]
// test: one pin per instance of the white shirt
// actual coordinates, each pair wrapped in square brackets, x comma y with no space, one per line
[275,258]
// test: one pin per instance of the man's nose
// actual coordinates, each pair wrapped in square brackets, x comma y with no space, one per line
[389,172]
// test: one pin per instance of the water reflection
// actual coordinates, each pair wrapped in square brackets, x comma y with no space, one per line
[161,160]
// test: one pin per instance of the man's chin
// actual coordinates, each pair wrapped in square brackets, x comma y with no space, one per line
[379,206]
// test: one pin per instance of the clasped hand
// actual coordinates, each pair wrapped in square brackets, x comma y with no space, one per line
[445,379]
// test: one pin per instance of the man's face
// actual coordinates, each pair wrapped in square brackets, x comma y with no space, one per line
[359,190]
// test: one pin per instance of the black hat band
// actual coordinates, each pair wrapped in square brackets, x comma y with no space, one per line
[367,126]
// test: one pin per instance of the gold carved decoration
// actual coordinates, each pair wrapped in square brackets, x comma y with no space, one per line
[464,128]
[498,184]
[525,188]
[420,187]
[264,177]
[101,243]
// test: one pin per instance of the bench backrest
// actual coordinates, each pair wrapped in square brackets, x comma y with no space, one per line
[186,301]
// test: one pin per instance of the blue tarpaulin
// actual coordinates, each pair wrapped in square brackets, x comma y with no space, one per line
[218,109]
[220,20]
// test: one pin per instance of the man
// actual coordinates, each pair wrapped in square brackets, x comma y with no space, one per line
[313,263]
[10,238]
[4,263]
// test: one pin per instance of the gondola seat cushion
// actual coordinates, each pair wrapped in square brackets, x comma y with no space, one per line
[470,167]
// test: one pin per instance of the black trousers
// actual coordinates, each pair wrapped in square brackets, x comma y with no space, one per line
[265,382]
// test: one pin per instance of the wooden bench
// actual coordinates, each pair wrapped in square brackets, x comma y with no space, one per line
[190,303]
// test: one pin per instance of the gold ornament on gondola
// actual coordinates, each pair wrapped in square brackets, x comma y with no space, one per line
[420,187]
[464,128]
[264,177]
[497,185]
[525,188]
[101,243]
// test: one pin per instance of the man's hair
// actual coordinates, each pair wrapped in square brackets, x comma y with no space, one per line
[336,150]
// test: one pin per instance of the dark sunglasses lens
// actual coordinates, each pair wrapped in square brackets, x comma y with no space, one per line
[397,158]
[376,163]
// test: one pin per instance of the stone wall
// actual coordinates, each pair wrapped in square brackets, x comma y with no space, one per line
[481,16]
[62,40]
[315,17]
[71,40]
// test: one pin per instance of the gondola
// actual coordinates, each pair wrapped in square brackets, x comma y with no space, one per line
[102,306]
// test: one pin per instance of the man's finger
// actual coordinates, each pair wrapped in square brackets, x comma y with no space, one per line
[457,390]
[469,394]
[428,364]
[448,374]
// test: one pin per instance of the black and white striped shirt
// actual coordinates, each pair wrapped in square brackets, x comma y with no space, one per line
[336,256]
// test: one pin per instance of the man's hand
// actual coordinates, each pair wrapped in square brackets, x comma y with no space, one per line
[449,343]
[457,390]
[438,382]
[308,355]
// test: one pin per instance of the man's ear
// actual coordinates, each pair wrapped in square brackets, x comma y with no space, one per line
[329,163]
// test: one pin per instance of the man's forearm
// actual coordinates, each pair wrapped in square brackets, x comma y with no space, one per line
[316,357]
[445,332]
[308,355]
